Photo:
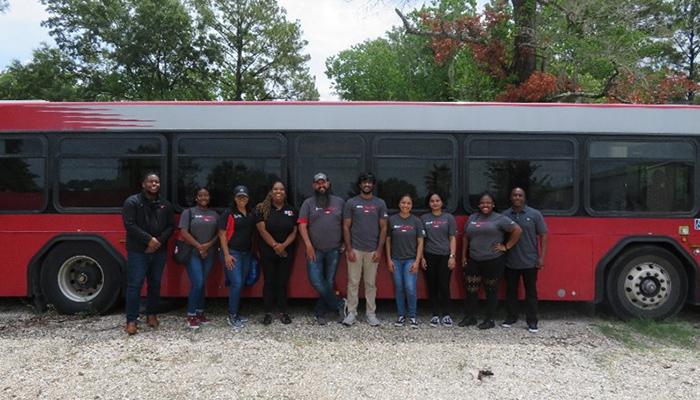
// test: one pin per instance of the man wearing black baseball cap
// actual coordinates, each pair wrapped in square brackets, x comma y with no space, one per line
[320,225]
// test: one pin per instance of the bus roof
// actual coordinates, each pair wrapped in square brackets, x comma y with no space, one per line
[17,116]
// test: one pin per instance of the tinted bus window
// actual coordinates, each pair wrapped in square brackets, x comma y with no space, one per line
[220,163]
[416,165]
[23,178]
[543,168]
[641,177]
[102,172]
[341,157]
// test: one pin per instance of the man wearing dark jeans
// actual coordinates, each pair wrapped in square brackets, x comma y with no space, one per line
[525,259]
[149,222]
[321,227]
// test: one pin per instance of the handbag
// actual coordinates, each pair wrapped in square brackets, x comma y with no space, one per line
[182,251]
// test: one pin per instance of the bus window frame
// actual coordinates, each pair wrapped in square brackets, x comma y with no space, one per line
[47,179]
[637,214]
[175,154]
[58,156]
[298,180]
[574,158]
[419,206]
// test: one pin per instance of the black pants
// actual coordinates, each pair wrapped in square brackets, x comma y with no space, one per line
[438,278]
[276,272]
[530,282]
[489,273]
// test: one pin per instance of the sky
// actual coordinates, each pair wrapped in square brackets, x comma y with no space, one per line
[329,26]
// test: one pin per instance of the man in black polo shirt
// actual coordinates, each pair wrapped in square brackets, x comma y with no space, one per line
[525,259]
[149,221]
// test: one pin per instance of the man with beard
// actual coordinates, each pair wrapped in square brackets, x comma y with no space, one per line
[320,226]
[364,233]
[149,221]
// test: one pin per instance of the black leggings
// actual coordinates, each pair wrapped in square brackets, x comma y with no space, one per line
[438,278]
[276,272]
[488,272]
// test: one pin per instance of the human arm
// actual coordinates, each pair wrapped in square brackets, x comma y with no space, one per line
[419,255]
[129,212]
[304,233]
[229,260]
[512,240]
[543,250]
[389,262]
[347,223]
[451,263]
[382,238]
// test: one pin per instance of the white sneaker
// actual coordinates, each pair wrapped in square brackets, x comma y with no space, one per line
[400,321]
[414,323]
[447,321]
[349,319]
[435,321]
[372,320]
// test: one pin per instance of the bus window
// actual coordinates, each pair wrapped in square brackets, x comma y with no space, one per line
[220,162]
[416,165]
[544,168]
[340,156]
[23,180]
[100,172]
[641,177]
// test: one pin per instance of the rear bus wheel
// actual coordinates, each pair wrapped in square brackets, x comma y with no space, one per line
[647,282]
[80,277]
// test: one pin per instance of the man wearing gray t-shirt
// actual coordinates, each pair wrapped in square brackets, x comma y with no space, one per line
[525,259]
[364,233]
[321,227]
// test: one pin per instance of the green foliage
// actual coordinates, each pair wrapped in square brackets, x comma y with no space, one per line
[646,334]
[261,51]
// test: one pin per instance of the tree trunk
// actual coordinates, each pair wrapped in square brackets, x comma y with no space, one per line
[524,57]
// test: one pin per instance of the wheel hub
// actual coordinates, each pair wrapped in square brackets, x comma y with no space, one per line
[80,278]
[647,285]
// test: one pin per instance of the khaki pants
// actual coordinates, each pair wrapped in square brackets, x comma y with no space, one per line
[362,265]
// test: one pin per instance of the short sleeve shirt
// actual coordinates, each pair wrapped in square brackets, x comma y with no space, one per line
[325,224]
[203,223]
[525,253]
[280,224]
[404,234]
[365,215]
[438,231]
[485,232]
[243,229]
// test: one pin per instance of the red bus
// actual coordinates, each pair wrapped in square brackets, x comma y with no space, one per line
[616,184]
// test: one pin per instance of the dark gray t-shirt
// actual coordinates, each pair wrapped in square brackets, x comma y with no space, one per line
[204,223]
[365,216]
[525,253]
[325,225]
[438,231]
[485,232]
[404,234]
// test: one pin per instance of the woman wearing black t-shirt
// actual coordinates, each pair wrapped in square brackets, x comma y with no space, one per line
[276,223]
[236,227]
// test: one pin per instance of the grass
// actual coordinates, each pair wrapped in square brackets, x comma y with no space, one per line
[645,334]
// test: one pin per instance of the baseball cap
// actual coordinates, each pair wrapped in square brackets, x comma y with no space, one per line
[320,176]
[240,190]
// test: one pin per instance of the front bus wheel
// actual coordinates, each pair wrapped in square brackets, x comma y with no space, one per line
[646,282]
[80,277]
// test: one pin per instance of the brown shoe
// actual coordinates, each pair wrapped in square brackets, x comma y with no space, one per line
[131,328]
[152,321]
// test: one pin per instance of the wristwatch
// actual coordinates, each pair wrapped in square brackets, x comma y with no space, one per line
[452,256]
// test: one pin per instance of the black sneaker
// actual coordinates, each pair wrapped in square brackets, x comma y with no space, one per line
[486,324]
[532,327]
[267,320]
[467,321]
[321,320]
[285,318]
[400,321]
[509,322]
[414,323]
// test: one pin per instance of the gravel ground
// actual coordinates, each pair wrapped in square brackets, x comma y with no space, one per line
[53,356]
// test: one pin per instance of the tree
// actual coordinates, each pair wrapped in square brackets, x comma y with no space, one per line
[134,49]
[49,76]
[685,24]
[262,52]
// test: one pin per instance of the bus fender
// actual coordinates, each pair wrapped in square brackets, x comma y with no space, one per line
[689,264]
[34,268]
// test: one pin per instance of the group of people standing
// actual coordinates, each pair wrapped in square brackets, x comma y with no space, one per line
[513,242]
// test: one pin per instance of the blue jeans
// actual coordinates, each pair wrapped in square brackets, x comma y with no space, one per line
[322,278]
[236,278]
[142,266]
[405,287]
[198,270]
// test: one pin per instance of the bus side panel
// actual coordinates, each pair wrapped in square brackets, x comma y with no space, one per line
[569,272]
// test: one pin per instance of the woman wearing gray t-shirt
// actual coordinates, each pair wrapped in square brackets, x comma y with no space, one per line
[198,227]
[483,256]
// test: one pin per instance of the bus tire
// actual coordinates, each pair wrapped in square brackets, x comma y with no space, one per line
[80,277]
[646,282]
